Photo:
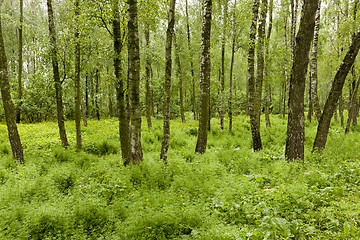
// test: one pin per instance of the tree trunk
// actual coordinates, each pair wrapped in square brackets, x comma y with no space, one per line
[335,92]
[10,112]
[295,129]
[256,138]
[193,95]
[205,68]
[77,79]
[341,110]
[58,87]
[83,113]
[267,64]
[134,83]
[222,81]
[286,69]
[18,112]
[86,96]
[167,85]
[232,68]
[177,50]
[313,75]
[352,107]
[147,76]
[120,91]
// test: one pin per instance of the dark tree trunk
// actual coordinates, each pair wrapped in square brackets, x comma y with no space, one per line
[83,112]
[10,112]
[134,83]
[267,64]
[232,68]
[18,112]
[58,86]
[255,131]
[97,82]
[352,107]
[193,95]
[205,68]
[77,80]
[341,110]
[167,85]
[120,91]
[295,129]
[222,78]
[335,92]
[86,96]
[147,76]
[177,56]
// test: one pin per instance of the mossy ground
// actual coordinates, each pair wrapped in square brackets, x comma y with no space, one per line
[229,192]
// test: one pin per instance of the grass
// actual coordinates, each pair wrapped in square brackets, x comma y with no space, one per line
[229,192]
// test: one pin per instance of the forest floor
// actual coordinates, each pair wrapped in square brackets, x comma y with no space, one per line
[229,192]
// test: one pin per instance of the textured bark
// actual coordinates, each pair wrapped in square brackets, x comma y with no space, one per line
[77,81]
[10,112]
[167,85]
[205,68]
[147,76]
[232,68]
[222,79]
[177,56]
[313,75]
[20,61]
[294,9]
[295,129]
[134,83]
[120,91]
[83,111]
[193,95]
[57,82]
[352,113]
[267,63]
[255,131]
[335,92]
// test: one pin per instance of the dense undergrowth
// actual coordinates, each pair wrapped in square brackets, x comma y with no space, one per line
[229,192]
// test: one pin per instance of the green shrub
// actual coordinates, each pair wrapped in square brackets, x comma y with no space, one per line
[4,149]
[105,147]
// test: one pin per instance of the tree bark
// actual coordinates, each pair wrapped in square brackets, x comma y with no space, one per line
[120,91]
[193,95]
[295,129]
[20,47]
[222,78]
[10,112]
[267,64]
[57,82]
[205,68]
[335,92]
[352,107]
[167,85]
[147,76]
[77,79]
[134,83]
[177,56]
[97,82]
[341,110]
[255,131]
[232,68]
[313,75]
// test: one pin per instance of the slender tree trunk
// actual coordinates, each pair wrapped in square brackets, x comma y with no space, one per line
[134,82]
[77,80]
[120,91]
[256,138]
[205,68]
[147,76]
[110,102]
[86,96]
[167,85]
[232,68]
[177,56]
[20,46]
[97,82]
[352,107]
[286,68]
[222,81]
[313,67]
[335,92]
[193,95]
[267,64]
[341,110]
[83,113]
[58,87]
[295,129]
[10,112]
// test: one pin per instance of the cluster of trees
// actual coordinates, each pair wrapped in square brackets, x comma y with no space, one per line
[115,58]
